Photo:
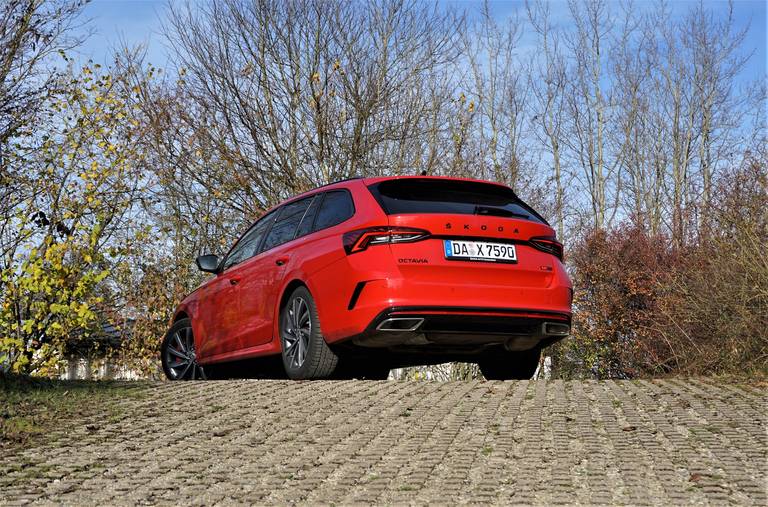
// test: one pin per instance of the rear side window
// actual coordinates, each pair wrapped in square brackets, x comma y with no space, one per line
[284,228]
[413,195]
[336,207]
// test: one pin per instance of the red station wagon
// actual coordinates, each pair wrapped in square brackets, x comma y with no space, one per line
[364,275]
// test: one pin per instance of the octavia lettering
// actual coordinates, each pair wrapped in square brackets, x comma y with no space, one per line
[412,261]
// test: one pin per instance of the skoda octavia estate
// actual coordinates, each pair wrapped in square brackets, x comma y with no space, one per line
[364,275]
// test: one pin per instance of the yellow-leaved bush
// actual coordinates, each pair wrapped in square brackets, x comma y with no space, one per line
[73,223]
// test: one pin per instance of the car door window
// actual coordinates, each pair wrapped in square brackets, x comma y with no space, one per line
[305,227]
[287,222]
[337,207]
[248,245]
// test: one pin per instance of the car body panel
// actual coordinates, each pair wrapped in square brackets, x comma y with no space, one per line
[217,313]
[258,295]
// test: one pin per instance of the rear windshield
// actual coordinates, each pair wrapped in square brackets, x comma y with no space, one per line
[415,195]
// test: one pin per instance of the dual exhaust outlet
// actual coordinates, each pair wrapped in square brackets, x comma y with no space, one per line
[410,324]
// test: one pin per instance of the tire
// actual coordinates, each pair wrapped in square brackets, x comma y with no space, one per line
[177,353]
[305,354]
[504,365]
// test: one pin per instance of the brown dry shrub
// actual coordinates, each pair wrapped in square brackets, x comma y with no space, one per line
[643,307]
[714,316]
[616,280]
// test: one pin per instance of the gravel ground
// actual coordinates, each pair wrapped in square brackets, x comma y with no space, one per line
[665,442]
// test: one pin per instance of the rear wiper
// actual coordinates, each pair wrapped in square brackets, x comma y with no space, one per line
[499,212]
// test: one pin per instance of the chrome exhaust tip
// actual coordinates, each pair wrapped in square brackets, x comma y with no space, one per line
[400,324]
[555,329]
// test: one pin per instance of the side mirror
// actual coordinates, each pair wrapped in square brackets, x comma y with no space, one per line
[208,263]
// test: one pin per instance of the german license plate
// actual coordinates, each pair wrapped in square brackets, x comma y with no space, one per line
[456,250]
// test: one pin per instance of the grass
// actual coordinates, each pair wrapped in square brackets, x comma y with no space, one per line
[31,408]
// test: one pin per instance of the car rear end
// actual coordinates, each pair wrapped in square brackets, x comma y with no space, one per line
[453,266]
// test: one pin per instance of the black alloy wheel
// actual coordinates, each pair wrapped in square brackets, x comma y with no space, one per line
[177,353]
[305,354]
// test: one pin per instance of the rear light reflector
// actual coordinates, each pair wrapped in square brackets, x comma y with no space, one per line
[360,239]
[549,245]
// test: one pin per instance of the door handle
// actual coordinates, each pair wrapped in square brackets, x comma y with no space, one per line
[281,261]
[234,281]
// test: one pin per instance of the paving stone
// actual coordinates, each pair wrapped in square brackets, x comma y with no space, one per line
[665,442]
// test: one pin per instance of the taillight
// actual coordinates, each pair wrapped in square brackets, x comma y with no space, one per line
[549,245]
[359,240]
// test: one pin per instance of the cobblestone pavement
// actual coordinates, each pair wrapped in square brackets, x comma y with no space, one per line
[272,442]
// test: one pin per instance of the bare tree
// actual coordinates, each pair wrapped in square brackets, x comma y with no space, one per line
[283,96]
[548,80]
[588,102]
[498,78]
[691,116]
[717,61]
[31,33]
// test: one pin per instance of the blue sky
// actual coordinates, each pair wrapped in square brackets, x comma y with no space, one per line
[132,21]
[139,21]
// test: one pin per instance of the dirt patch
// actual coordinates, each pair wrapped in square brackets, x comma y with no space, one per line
[32,409]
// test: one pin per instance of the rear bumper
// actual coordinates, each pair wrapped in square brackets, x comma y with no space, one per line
[479,312]
[507,321]
[463,329]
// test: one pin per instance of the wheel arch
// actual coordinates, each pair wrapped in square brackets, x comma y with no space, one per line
[288,290]
[294,283]
[181,314]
